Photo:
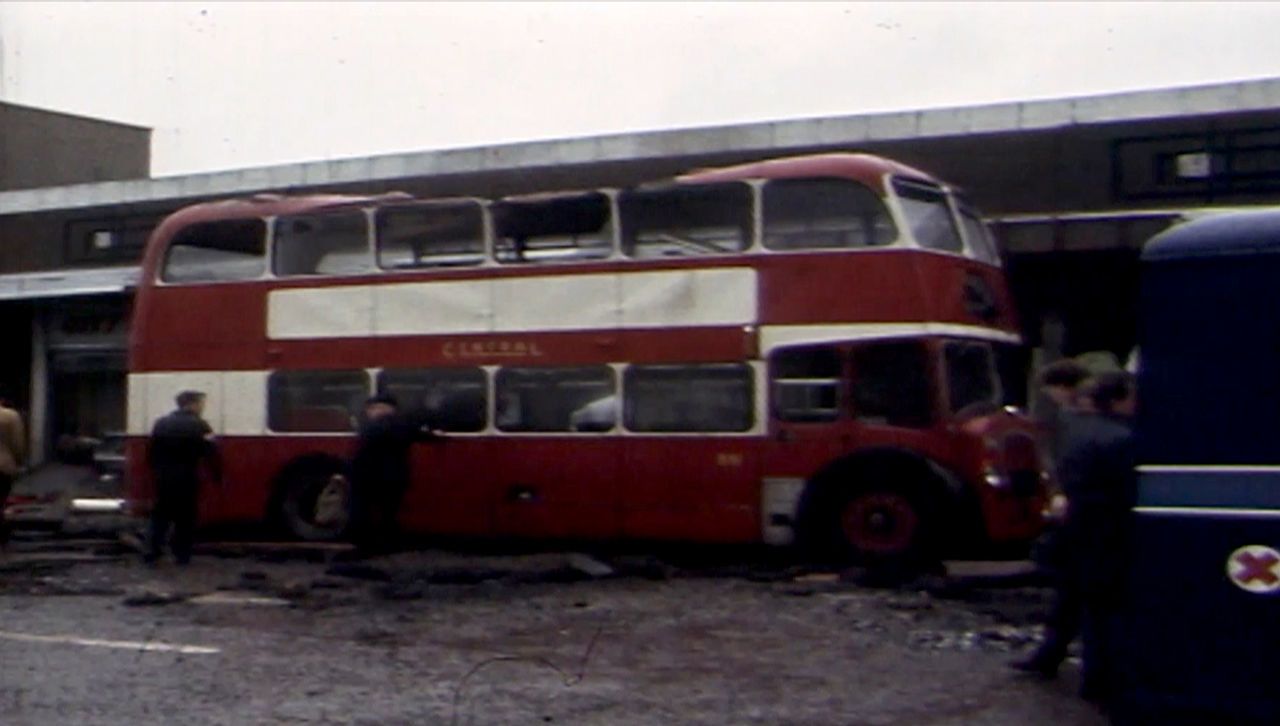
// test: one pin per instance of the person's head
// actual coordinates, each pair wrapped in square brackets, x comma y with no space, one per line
[191,401]
[1114,393]
[379,406]
[1061,379]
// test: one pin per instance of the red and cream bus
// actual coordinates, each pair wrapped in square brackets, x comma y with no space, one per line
[799,348]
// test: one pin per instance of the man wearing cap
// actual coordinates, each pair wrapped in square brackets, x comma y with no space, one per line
[179,443]
[380,471]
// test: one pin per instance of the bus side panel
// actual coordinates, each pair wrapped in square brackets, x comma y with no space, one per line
[454,487]
[1196,640]
[213,327]
[703,488]
[555,486]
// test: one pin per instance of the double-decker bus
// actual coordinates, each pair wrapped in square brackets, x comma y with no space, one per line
[803,348]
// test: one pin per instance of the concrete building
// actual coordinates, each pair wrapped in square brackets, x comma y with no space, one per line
[1073,186]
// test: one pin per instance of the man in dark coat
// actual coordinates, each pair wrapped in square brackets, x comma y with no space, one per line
[380,471]
[1096,472]
[180,441]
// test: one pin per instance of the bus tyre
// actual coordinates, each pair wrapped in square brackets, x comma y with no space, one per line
[315,502]
[881,526]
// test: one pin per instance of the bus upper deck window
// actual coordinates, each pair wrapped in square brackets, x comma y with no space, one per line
[824,213]
[322,244]
[928,215]
[233,249]
[685,221]
[431,235]
[553,228]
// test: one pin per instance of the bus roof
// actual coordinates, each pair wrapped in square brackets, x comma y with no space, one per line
[1234,233]
[867,168]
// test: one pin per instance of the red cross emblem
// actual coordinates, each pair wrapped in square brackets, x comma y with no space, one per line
[1255,568]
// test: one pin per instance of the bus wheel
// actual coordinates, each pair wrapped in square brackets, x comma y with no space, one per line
[316,503]
[883,526]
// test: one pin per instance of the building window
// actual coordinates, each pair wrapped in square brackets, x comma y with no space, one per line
[431,235]
[217,251]
[892,384]
[322,244]
[118,239]
[556,399]
[548,229]
[689,398]
[929,215]
[809,214]
[686,221]
[453,399]
[806,384]
[316,401]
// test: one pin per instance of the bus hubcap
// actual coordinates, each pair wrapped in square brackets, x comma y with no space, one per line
[880,523]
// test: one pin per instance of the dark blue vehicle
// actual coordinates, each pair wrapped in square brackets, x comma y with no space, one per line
[1203,623]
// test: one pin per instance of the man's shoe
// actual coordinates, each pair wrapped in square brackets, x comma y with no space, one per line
[1035,666]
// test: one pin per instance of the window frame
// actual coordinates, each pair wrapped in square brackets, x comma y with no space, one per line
[485,378]
[370,252]
[762,221]
[752,410]
[897,183]
[275,375]
[487,258]
[933,394]
[496,389]
[162,268]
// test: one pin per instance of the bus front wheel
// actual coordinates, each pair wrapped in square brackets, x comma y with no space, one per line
[879,526]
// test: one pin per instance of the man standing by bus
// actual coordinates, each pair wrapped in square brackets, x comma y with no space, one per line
[380,471]
[12,454]
[1096,471]
[180,441]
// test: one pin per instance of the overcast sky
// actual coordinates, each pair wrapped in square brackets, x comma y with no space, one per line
[236,85]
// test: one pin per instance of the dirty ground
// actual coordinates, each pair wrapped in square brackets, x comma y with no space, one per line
[250,635]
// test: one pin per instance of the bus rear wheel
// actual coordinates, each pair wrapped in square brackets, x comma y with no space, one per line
[883,526]
[315,505]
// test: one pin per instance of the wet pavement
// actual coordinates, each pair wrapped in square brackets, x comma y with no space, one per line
[250,635]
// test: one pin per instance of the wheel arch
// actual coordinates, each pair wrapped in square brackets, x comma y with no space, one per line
[920,475]
[301,465]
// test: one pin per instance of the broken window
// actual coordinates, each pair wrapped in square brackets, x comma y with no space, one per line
[928,215]
[453,399]
[685,221]
[323,244]
[217,251]
[431,235]
[556,399]
[553,228]
[315,401]
[689,398]
[824,213]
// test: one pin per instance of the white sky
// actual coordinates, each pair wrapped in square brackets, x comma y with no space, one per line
[235,85]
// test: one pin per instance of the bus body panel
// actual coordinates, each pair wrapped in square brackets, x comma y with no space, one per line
[720,309]
[1199,639]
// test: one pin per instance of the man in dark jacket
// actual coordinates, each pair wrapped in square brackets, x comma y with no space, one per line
[180,441]
[1096,472]
[380,471]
